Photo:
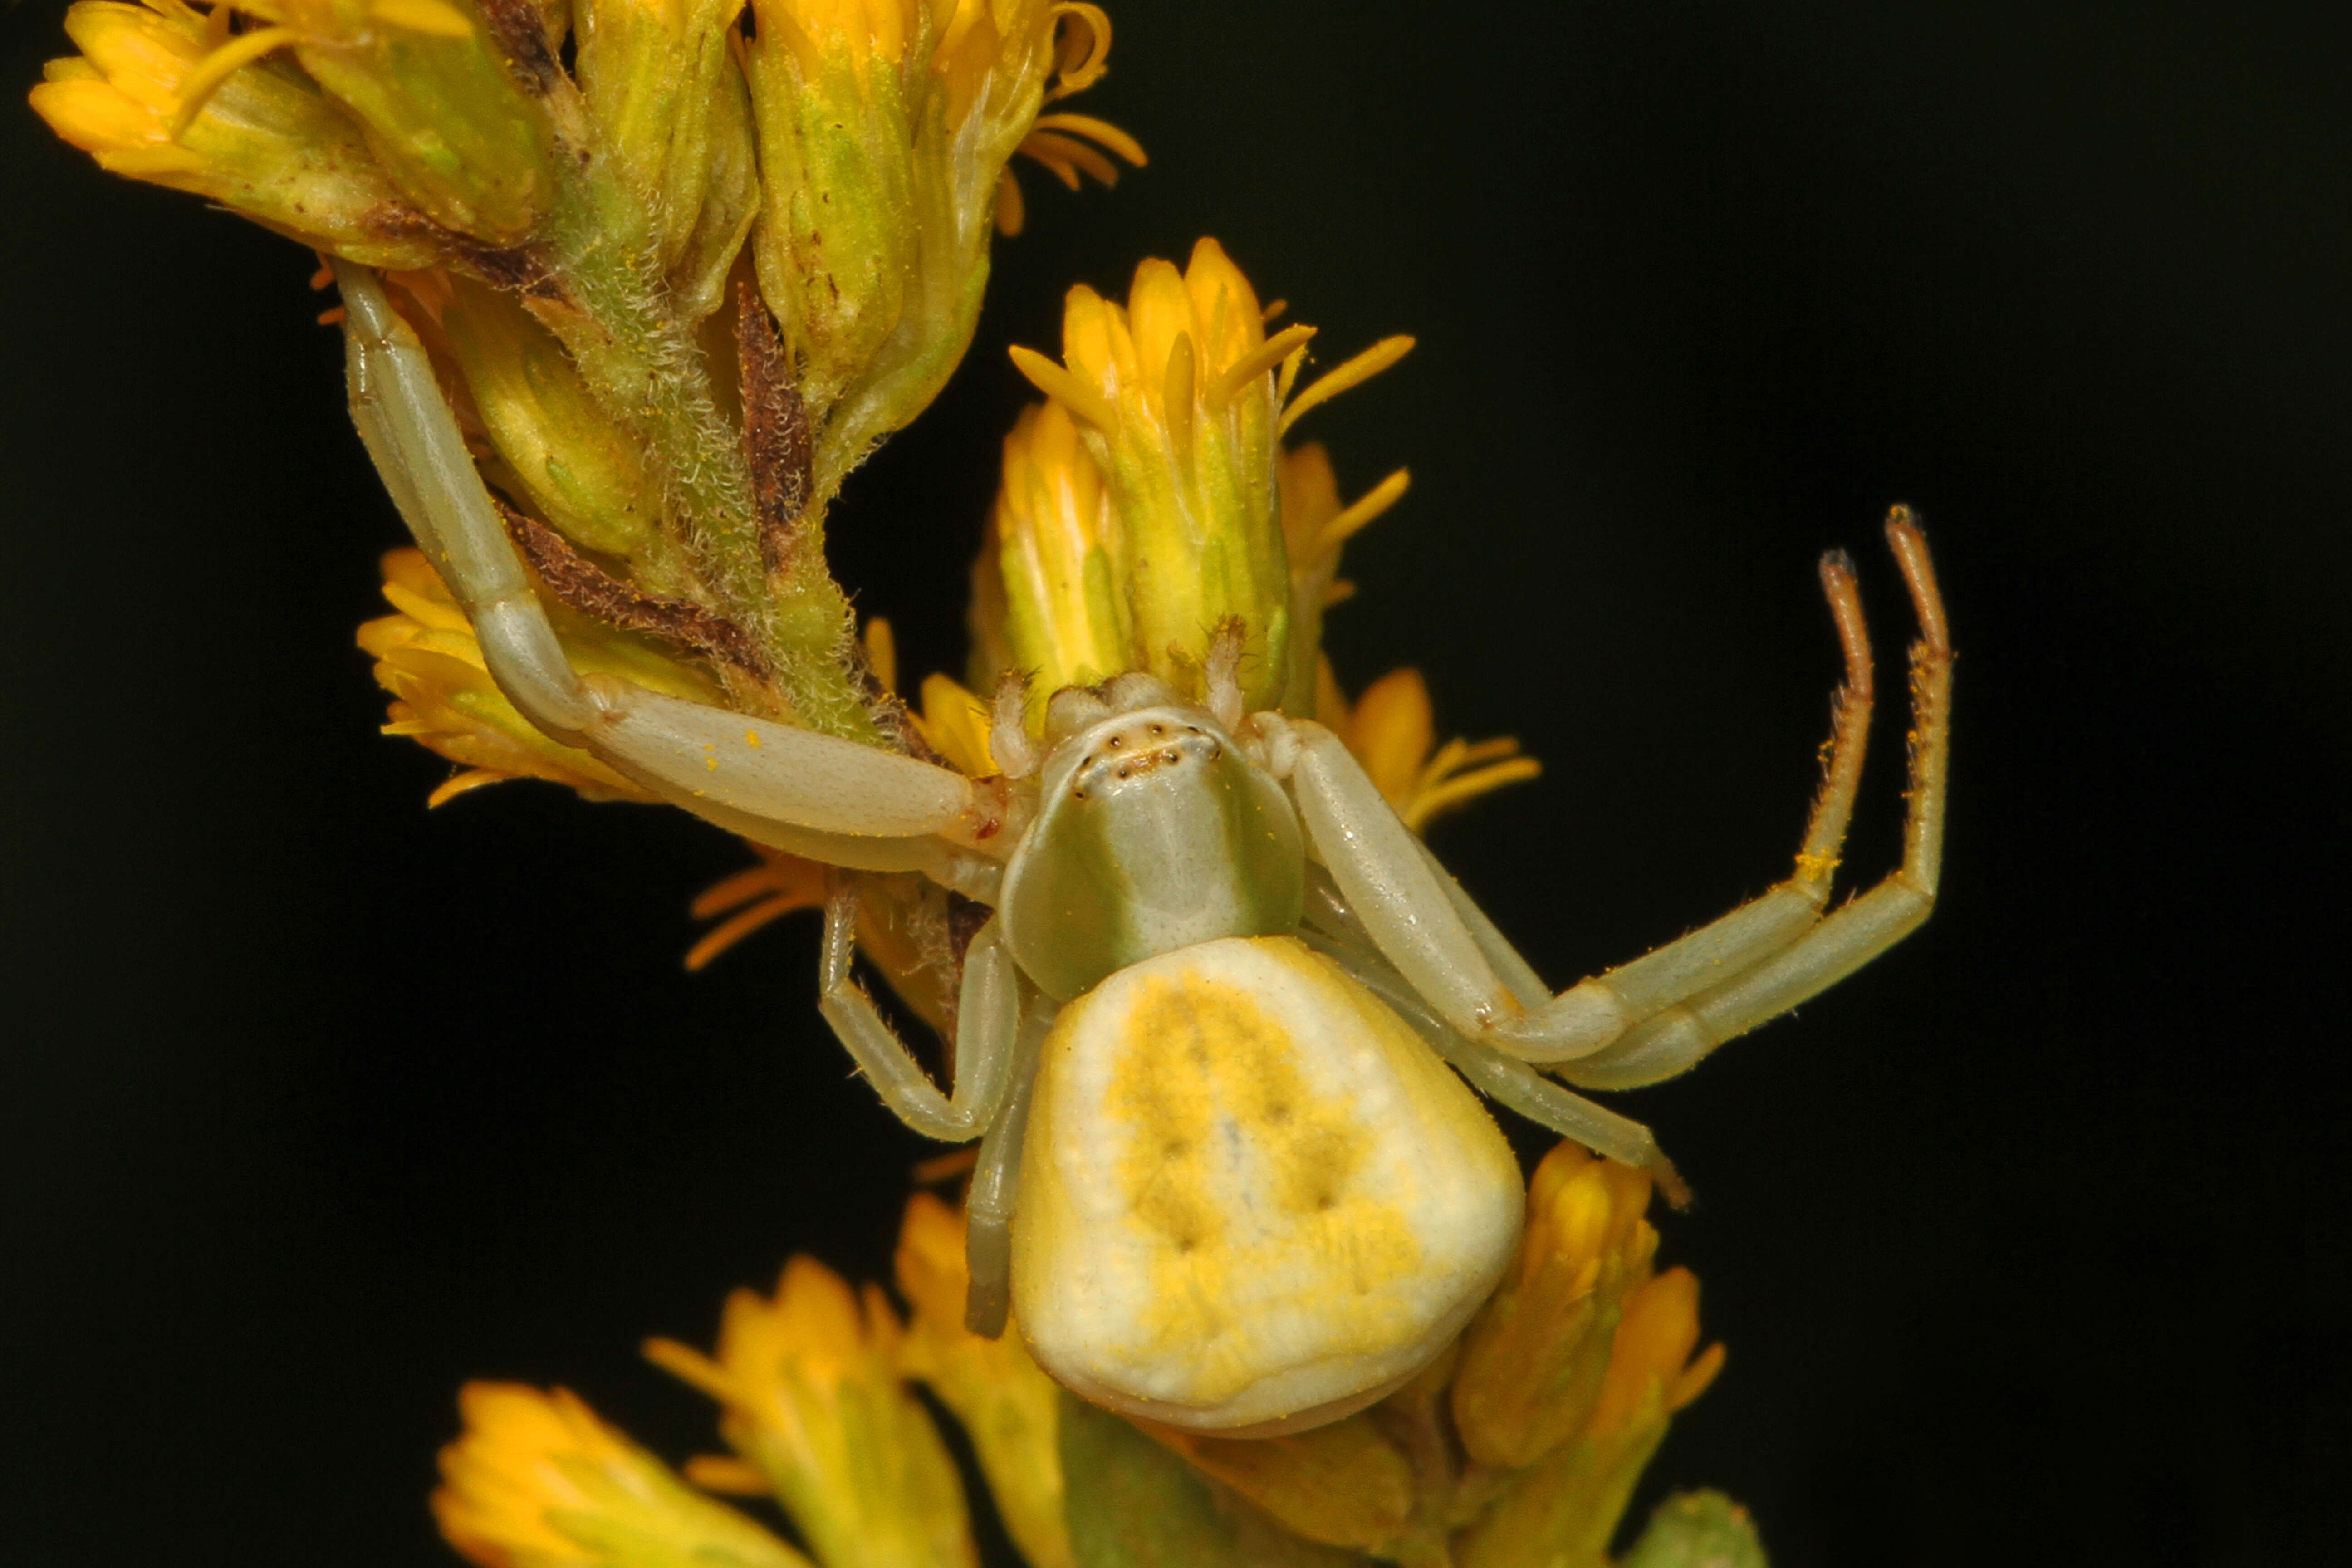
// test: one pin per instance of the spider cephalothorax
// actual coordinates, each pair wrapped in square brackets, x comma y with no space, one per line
[1154,830]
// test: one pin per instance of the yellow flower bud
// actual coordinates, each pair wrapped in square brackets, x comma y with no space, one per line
[810,1383]
[451,107]
[429,659]
[537,1481]
[1176,394]
[884,127]
[672,110]
[1177,397]
[1006,1405]
[578,468]
[264,140]
[1651,1373]
[1564,1509]
[1698,1530]
[1534,1358]
[701,256]
[1065,588]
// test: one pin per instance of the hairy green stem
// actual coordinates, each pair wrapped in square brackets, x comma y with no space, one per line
[613,310]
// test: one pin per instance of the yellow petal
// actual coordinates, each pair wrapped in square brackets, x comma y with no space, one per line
[1391,730]
[431,17]
[1066,389]
[1367,507]
[1354,373]
[1101,130]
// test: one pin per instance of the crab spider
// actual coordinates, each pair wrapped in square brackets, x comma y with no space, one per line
[1204,1034]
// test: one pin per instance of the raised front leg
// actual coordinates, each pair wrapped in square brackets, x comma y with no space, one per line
[791,787]
[1726,972]
[988,1015]
[1678,1035]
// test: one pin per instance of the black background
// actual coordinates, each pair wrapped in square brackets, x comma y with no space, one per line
[2030,1243]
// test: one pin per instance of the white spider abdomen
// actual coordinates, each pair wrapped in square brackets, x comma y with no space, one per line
[1251,1198]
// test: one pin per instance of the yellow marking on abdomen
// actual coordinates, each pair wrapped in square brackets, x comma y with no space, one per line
[1241,1168]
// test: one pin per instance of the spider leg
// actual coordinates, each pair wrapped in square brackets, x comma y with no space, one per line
[1505,1079]
[1428,929]
[1675,1038]
[1616,1001]
[988,1018]
[988,1207]
[785,785]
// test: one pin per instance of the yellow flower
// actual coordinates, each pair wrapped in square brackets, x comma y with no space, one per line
[537,1481]
[1005,1403]
[884,127]
[813,1385]
[264,140]
[1391,730]
[1053,593]
[1534,1358]
[757,896]
[1564,1509]
[1179,402]
[955,725]
[443,126]
[810,1387]
[429,659]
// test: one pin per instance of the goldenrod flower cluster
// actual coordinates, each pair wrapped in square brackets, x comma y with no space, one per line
[677,287]
[1519,1448]
[564,241]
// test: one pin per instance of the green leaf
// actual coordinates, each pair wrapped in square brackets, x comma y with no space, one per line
[1698,1530]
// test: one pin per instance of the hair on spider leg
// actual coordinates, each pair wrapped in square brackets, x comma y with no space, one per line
[1008,726]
